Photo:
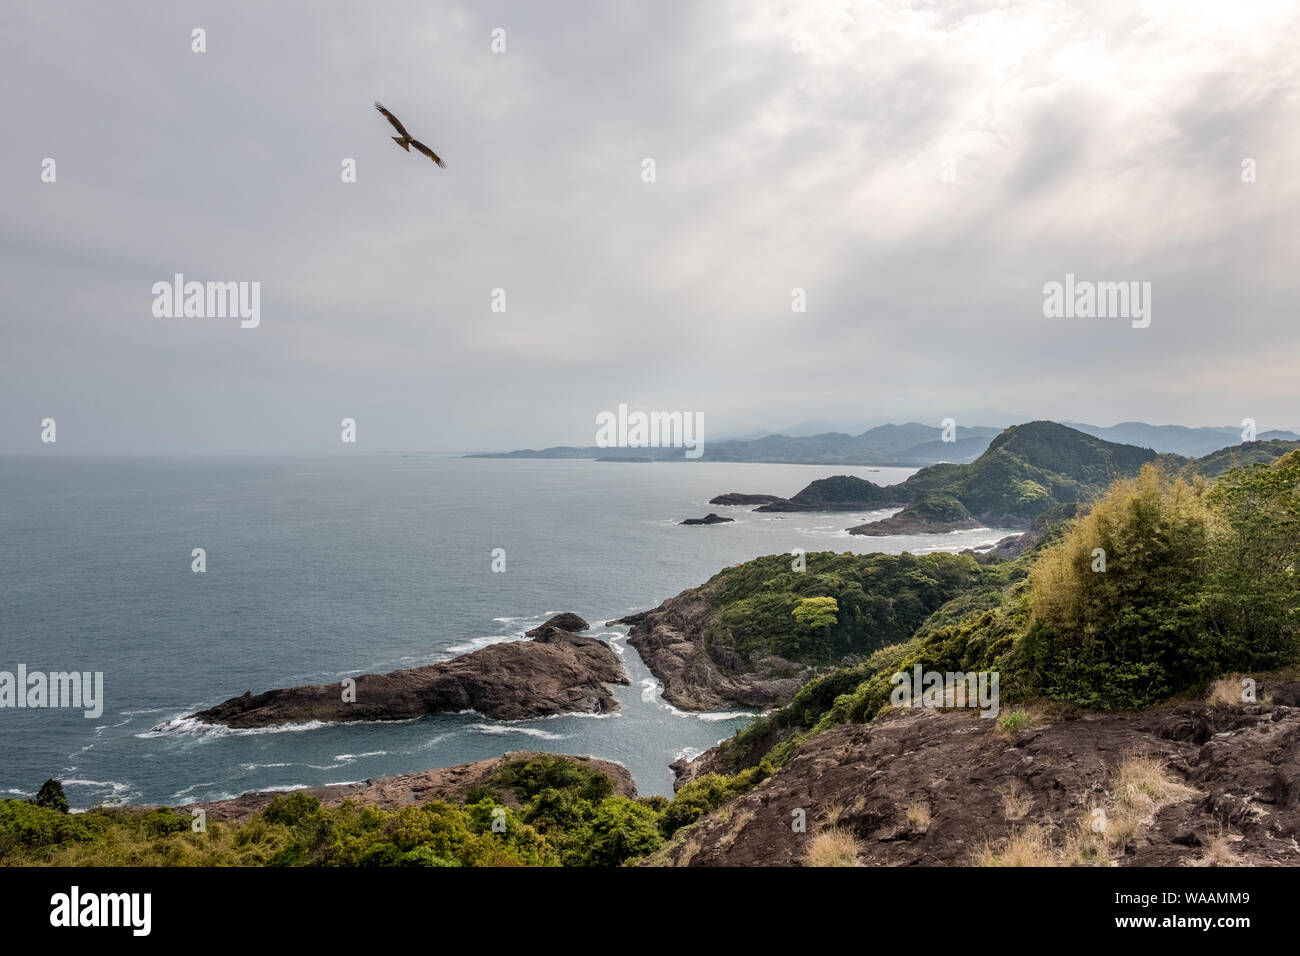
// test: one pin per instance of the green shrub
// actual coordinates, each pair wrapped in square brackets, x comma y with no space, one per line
[620,830]
[51,797]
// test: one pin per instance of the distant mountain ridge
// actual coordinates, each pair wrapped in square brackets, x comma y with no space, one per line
[1178,439]
[911,444]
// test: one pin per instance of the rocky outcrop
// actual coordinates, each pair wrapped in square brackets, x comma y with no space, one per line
[567,621]
[1014,545]
[710,518]
[842,493]
[392,793]
[736,498]
[928,787]
[669,642]
[903,523]
[555,673]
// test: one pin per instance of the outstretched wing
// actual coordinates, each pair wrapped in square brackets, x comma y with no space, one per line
[397,124]
[428,152]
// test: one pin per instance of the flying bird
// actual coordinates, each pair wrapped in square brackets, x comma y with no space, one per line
[405,141]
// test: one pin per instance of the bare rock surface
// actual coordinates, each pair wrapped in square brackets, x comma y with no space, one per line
[953,771]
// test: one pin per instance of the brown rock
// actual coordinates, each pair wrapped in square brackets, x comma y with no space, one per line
[558,673]
[865,777]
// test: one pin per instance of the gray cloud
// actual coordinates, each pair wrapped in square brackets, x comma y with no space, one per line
[1084,139]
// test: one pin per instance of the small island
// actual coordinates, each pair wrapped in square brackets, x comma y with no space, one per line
[710,518]
[935,513]
[554,672]
[736,498]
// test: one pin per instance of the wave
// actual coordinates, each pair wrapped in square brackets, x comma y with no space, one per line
[508,729]
[579,713]
[709,716]
[118,792]
[191,727]
[478,643]
[190,788]
[715,715]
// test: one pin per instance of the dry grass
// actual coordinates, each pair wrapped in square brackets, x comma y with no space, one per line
[1027,847]
[833,847]
[1219,852]
[918,816]
[1225,693]
[1016,801]
[691,847]
[1143,786]
[1086,844]
[737,824]
[833,813]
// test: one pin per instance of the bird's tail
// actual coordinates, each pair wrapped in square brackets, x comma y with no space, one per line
[404,143]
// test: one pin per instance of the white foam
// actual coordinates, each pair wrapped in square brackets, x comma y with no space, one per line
[724,715]
[508,729]
[119,792]
[478,643]
[192,727]
[189,789]
[578,713]
[189,726]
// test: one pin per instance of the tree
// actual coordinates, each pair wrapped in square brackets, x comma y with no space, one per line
[1117,607]
[816,613]
[1254,598]
[51,797]
[622,829]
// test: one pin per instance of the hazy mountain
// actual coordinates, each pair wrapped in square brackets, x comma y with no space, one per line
[1177,439]
[909,444]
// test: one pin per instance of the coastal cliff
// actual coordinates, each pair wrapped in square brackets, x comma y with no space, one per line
[755,633]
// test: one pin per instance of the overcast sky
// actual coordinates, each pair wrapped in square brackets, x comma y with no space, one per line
[1100,139]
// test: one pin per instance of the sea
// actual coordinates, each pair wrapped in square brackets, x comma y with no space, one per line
[320,568]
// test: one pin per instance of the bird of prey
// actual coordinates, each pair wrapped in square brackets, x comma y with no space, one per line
[405,141]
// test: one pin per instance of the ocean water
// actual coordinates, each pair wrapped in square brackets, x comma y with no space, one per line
[319,568]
